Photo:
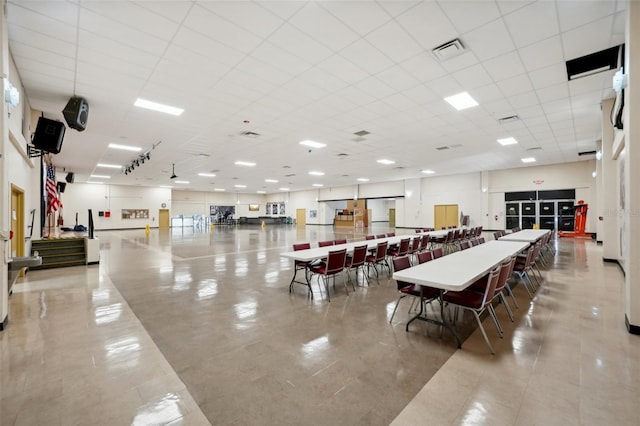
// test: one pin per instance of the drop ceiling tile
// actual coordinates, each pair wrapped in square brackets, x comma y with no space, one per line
[542,54]
[445,86]
[351,13]
[263,71]
[247,15]
[203,45]
[523,100]
[280,59]
[133,16]
[589,84]
[487,93]
[515,85]
[184,62]
[172,10]
[395,8]
[343,68]
[553,93]
[120,33]
[460,62]
[323,79]
[283,9]
[294,41]
[355,95]
[367,57]
[375,88]
[41,41]
[490,40]
[504,66]
[428,25]
[314,21]
[421,95]
[110,48]
[394,42]
[468,15]
[574,14]
[51,70]
[423,67]
[532,23]
[65,12]
[44,25]
[472,77]
[587,38]
[397,78]
[19,50]
[205,22]
[549,76]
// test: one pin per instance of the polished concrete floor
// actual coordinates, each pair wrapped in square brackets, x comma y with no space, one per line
[195,328]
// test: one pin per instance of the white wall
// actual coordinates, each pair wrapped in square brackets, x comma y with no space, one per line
[348,192]
[381,189]
[463,190]
[380,209]
[79,197]
[189,203]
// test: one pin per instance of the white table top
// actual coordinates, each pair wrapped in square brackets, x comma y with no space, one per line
[458,270]
[322,252]
[526,235]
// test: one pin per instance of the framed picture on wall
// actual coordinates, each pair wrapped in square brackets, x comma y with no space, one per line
[274,209]
[254,207]
[313,214]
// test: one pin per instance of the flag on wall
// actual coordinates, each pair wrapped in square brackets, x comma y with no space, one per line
[53,200]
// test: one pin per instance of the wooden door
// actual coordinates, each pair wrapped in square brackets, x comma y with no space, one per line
[453,218]
[163,218]
[301,217]
[445,215]
[392,218]
[17,222]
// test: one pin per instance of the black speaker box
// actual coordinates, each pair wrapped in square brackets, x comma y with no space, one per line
[61,186]
[76,113]
[49,135]
[69,177]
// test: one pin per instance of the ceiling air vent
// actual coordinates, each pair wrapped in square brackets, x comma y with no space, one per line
[362,133]
[594,63]
[508,119]
[587,153]
[535,148]
[290,175]
[250,134]
[442,148]
[448,50]
[342,154]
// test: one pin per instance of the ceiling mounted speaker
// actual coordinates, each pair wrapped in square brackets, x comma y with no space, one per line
[69,177]
[48,135]
[76,113]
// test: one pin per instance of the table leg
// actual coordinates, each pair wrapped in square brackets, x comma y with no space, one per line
[443,321]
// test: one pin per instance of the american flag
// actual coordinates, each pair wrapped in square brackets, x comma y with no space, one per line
[53,202]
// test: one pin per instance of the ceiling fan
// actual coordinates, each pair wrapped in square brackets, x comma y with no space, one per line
[173,171]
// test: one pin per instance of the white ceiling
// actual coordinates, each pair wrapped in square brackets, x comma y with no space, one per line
[319,70]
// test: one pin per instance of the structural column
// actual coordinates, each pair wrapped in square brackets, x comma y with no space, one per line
[631,179]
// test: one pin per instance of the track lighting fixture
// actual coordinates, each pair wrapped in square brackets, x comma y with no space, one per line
[139,160]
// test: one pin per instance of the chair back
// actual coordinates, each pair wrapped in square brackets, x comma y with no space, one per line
[404,246]
[506,269]
[381,251]
[536,251]
[359,256]
[325,243]
[425,256]
[400,263]
[492,283]
[456,235]
[497,235]
[480,240]
[370,237]
[336,242]
[381,236]
[415,245]
[391,234]
[335,261]
[437,252]
[301,246]
[479,230]
[418,231]
[465,244]
[474,242]
[424,242]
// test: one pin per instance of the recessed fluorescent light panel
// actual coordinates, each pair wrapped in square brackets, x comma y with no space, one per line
[317,184]
[385,161]
[207,174]
[154,106]
[100,176]
[461,101]
[109,166]
[218,189]
[313,144]
[245,163]
[428,172]
[240,186]
[182,181]
[261,192]
[528,160]
[284,189]
[95,183]
[166,186]
[125,147]
[271,180]
[363,180]
[317,173]
[507,141]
